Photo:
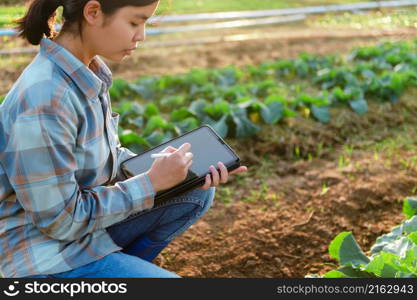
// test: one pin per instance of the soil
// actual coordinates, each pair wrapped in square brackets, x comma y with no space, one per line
[279,218]
[285,231]
[283,215]
[290,237]
[262,44]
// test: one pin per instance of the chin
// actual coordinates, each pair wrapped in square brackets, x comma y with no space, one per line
[115,58]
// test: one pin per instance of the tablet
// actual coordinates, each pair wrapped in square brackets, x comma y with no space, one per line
[208,148]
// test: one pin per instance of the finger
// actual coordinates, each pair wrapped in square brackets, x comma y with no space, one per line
[189,164]
[184,148]
[239,170]
[188,156]
[169,149]
[224,174]
[216,176]
[207,183]
[186,169]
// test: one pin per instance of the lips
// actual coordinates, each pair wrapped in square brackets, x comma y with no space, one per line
[129,51]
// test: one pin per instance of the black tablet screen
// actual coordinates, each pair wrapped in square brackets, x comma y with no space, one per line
[206,146]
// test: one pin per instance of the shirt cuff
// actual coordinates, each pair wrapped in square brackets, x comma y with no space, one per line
[141,190]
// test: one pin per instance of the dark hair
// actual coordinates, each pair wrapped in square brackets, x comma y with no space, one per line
[39,19]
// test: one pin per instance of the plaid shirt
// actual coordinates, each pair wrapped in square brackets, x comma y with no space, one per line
[60,178]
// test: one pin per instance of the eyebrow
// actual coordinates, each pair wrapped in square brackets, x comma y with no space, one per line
[142,16]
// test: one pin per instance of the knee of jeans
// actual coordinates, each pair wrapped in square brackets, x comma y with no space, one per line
[202,200]
[208,200]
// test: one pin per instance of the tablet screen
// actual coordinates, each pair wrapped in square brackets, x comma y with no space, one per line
[206,146]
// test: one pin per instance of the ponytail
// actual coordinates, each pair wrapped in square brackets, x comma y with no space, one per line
[39,20]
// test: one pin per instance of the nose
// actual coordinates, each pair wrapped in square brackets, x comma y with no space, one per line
[140,35]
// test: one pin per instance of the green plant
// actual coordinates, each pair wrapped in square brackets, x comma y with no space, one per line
[238,102]
[393,255]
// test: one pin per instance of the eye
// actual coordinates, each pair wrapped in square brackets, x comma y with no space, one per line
[134,24]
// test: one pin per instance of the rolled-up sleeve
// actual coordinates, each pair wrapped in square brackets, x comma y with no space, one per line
[40,163]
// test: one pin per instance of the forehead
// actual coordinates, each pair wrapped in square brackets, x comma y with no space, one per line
[141,12]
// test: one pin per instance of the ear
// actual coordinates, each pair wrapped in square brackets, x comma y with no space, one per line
[92,12]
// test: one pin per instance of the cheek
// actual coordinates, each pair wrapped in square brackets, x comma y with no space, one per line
[116,37]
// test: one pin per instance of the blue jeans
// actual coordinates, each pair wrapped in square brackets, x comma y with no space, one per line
[142,236]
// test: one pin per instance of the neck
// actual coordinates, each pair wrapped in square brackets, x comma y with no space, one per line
[76,46]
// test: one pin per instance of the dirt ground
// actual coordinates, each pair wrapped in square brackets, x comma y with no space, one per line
[290,217]
[278,220]
[289,237]
[258,45]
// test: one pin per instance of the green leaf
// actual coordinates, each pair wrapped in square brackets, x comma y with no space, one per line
[151,110]
[263,88]
[289,113]
[275,98]
[118,89]
[126,108]
[167,137]
[321,113]
[235,92]
[396,233]
[197,77]
[187,124]
[138,122]
[219,126]
[335,274]
[248,102]
[285,68]
[228,76]
[368,74]
[406,275]
[413,237]
[346,250]
[409,225]
[217,110]
[208,91]
[156,122]
[130,139]
[136,109]
[145,88]
[347,272]
[197,108]
[397,82]
[180,114]
[360,106]
[410,207]
[399,247]
[384,265]
[172,101]
[410,264]
[244,127]
[340,94]
[335,245]
[272,113]
[155,139]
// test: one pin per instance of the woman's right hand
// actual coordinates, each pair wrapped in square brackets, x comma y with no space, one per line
[167,172]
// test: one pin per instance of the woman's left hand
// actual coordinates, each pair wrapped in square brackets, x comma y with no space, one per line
[223,177]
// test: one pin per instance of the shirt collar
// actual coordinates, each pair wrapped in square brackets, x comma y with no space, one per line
[91,81]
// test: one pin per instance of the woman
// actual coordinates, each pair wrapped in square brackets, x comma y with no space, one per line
[66,210]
